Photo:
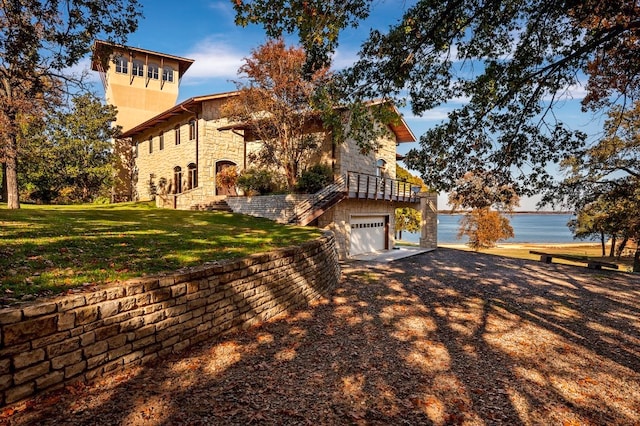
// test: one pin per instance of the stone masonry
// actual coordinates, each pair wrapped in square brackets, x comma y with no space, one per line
[81,336]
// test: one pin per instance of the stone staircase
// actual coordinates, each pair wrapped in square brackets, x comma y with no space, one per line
[321,201]
[219,204]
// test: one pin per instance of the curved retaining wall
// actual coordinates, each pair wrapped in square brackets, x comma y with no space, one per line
[78,337]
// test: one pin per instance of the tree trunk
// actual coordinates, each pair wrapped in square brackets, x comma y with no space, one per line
[11,182]
[3,188]
[621,247]
[602,243]
[636,260]
[612,250]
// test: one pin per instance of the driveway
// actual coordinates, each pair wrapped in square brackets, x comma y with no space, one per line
[446,337]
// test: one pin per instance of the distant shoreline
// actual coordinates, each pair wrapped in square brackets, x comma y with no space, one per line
[459,212]
[525,245]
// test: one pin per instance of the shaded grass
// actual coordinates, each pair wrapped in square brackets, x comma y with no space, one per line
[49,249]
[585,251]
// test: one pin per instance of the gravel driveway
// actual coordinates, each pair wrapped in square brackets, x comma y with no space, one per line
[447,337]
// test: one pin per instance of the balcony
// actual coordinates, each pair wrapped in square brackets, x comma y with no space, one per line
[363,186]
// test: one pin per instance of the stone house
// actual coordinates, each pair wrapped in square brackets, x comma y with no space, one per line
[179,150]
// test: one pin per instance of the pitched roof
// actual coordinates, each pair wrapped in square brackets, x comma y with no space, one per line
[103,49]
[400,127]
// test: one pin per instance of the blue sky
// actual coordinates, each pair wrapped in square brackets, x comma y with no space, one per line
[204,30]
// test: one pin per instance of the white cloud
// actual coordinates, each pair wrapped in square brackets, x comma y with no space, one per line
[222,7]
[573,92]
[343,58]
[434,114]
[214,58]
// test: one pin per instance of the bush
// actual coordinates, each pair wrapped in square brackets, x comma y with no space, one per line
[314,179]
[227,177]
[256,181]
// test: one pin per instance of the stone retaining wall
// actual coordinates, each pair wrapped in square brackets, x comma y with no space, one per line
[81,336]
[279,208]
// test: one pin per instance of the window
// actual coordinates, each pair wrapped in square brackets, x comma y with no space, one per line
[150,145]
[161,142]
[137,68]
[193,176]
[381,167]
[192,130]
[167,74]
[135,150]
[177,179]
[152,71]
[122,65]
[176,133]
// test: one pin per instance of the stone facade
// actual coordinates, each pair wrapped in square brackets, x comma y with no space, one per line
[81,336]
[181,148]
[279,208]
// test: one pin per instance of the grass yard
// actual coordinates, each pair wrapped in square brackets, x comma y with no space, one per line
[587,250]
[51,249]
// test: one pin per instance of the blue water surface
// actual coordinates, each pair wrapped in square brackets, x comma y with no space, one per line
[528,228]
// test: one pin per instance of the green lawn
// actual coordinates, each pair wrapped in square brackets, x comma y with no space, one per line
[587,251]
[49,249]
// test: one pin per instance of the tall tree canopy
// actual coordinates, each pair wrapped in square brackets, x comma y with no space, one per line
[511,59]
[39,40]
[602,182]
[276,104]
[70,159]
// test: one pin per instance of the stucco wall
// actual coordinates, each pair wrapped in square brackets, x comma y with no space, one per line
[81,336]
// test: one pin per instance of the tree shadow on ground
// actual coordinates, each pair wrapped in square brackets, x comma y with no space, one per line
[448,337]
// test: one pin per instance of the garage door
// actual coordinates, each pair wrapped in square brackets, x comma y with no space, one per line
[367,234]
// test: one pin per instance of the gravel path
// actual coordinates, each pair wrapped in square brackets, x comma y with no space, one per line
[448,337]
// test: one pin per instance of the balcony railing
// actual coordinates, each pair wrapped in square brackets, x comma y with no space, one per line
[371,187]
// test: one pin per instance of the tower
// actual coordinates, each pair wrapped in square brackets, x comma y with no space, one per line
[140,83]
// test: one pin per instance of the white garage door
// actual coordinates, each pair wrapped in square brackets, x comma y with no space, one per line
[367,234]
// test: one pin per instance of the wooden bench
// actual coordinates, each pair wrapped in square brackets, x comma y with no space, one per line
[591,264]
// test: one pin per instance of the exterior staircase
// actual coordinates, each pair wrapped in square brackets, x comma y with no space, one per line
[213,205]
[319,203]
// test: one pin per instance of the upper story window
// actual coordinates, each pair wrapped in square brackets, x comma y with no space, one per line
[152,71]
[135,150]
[193,131]
[150,145]
[176,132]
[137,68]
[167,74]
[381,167]
[122,65]
[161,142]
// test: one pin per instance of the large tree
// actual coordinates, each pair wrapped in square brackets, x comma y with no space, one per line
[511,59]
[39,40]
[71,159]
[275,104]
[602,181]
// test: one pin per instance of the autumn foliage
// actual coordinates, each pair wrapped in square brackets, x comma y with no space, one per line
[275,106]
[485,227]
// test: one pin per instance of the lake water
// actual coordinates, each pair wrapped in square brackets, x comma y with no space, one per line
[528,228]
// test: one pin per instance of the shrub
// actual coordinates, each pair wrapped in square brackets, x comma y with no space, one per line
[227,177]
[256,181]
[314,179]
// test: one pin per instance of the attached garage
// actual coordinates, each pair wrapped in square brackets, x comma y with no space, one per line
[368,234]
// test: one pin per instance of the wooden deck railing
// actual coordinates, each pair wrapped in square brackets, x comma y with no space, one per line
[354,185]
[371,187]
